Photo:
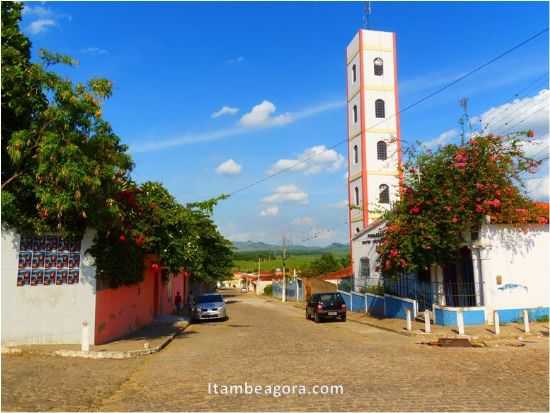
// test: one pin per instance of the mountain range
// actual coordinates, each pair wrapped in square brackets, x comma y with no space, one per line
[242,246]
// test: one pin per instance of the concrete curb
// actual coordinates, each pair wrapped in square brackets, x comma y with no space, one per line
[105,354]
[11,350]
[122,354]
[391,330]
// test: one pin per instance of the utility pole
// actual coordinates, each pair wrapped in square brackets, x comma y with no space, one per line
[258,278]
[465,118]
[284,269]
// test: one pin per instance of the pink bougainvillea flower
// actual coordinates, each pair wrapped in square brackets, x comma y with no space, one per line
[415,210]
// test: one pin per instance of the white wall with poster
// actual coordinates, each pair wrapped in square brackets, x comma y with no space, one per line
[48,289]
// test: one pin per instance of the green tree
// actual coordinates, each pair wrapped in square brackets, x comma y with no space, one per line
[60,160]
[64,170]
[324,264]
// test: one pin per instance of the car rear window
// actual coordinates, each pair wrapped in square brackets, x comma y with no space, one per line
[216,298]
[327,298]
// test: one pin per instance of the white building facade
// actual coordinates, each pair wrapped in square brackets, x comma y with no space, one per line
[373,127]
[37,309]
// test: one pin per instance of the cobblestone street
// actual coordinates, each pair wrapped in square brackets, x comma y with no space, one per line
[266,342]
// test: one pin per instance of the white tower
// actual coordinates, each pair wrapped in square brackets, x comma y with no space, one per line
[374,152]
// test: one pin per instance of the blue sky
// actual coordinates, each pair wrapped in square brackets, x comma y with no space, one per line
[175,66]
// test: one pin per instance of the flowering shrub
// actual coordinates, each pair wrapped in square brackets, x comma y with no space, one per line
[448,193]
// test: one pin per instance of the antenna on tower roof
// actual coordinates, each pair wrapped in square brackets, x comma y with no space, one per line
[366,14]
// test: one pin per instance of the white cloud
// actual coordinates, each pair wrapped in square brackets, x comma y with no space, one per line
[538,188]
[234,60]
[261,115]
[94,51]
[41,25]
[312,161]
[193,138]
[225,110]
[303,221]
[270,211]
[45,18]
[229,167]
[37,11]
[530,113]
[443,139]
[287,193]
[520,114]
[341,204]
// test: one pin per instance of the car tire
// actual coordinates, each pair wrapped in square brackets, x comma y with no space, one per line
[316,318]
[343,319]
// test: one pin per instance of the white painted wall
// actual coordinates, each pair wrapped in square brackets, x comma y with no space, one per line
[361,247]
[375,44]
[373,188]
[355,168]
[521,259]
[45,314]
[354,127]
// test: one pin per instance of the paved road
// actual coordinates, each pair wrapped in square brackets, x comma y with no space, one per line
[268,343]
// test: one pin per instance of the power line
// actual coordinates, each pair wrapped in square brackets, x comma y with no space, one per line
[409,107]
[516,96]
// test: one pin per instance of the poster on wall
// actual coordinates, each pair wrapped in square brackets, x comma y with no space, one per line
[49,276]
[48,260]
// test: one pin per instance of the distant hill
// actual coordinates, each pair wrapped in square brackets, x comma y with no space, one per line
[254,246]
[247,246]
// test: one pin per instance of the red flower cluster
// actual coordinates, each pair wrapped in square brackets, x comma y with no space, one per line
[461,157]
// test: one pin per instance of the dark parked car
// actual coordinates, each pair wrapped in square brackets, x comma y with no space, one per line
[326,305]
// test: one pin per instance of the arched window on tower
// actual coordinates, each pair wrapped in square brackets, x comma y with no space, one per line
[355,154]
[354,113]
[356,196]
[378,67]
[354,73]
[381,151]
[384,194]
[379,108]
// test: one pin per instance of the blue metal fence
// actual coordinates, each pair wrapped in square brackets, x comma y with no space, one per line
[294,289]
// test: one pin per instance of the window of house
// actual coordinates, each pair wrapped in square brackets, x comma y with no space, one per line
[364,267]
[354,113]
[356,196]
[378,67]
[380,108]
[354,73]
[384,194]
[355,154]
[382,150]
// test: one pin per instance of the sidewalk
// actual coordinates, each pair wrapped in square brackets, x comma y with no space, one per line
[150,339]
[483,333]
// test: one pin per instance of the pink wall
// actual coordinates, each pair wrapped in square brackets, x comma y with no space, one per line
[119,311]
[168,293]
[122,310]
